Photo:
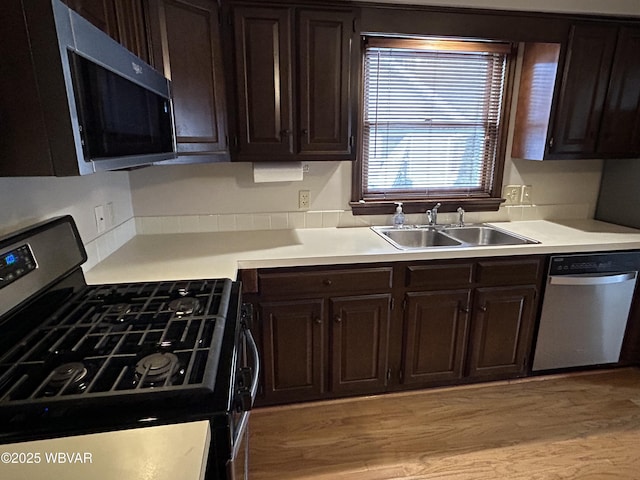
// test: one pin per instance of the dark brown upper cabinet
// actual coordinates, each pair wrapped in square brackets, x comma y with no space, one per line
[295,83]
[591,110]
[123,20]
[185,44]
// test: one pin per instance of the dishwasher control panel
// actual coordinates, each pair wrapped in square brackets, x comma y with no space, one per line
[595,263]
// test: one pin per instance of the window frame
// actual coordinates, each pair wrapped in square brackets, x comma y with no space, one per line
[413,203]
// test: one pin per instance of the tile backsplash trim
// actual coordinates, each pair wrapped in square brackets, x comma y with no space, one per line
[342,218]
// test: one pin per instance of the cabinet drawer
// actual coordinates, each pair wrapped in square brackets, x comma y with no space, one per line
[439,276]
[511,272]
[326,281]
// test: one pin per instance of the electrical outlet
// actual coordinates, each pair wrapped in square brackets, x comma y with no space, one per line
[513,194]
[525,198]
[303,199]
[101,221]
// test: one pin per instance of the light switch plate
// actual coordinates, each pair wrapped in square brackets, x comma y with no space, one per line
[525,198]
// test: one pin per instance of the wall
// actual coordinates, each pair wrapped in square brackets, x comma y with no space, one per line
[185,198]
[26,200]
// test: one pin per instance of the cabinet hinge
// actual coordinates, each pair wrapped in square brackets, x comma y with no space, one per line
[400,375]
[404,304]
[393,303]
[353,25]
[551,142]
[388,374]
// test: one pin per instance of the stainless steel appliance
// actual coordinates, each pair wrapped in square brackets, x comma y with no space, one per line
[93,103]
[77,358]
[585,309]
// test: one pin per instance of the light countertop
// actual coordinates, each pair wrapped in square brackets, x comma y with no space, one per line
[221,254]
[165,452]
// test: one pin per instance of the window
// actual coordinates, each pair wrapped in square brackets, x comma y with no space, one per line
[432,127]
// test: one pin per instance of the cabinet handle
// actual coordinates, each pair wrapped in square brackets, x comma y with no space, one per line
[464,309]
[483,308]
[338,319]
[318,320]
[305,131]
[284,134]
[327,282]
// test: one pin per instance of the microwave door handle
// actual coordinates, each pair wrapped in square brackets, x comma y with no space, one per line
[581,280]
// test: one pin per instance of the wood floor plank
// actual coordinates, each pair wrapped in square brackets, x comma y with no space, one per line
[583,427]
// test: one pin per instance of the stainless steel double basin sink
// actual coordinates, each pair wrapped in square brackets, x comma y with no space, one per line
[427,236]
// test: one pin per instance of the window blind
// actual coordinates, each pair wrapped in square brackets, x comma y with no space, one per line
[431,117]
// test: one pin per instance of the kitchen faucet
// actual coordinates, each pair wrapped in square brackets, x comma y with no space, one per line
[432,215]
[460,217]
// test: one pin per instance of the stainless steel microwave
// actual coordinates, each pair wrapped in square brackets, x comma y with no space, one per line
[100,107]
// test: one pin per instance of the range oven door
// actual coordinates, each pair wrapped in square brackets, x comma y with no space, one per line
[245,392]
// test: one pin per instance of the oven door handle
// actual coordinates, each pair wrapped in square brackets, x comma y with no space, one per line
[242,424]
[256,364]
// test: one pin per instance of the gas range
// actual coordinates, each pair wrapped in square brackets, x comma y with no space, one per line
[77,358]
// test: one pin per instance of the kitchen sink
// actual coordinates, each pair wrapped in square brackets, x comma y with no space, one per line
[416,237]
[426,237]
[485,235]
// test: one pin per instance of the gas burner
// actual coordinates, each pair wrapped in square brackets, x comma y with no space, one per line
[156,368]
[185,306]
[72,374]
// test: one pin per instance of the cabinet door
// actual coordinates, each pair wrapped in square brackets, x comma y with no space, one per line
[292,350]
[123,20]
[359,343]
[620,131]
[186,48]
[100,13]
[584,87]
[324,67]
[132,27]
[436,329]
[263,83]
[501,330]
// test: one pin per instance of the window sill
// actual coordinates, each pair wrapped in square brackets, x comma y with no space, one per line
[383,207]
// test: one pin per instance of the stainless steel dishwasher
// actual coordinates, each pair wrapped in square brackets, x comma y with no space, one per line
[585,309]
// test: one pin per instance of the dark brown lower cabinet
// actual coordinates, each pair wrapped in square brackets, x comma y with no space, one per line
[293,338]
[480,327]
[501,332]
[337,331]
[360,328]
[312,348]
[436,332]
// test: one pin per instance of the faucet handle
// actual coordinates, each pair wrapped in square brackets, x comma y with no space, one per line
[429,214]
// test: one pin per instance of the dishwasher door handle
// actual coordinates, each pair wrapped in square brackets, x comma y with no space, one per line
[582,280]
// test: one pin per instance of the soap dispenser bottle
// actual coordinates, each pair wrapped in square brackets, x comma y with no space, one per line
[398,218]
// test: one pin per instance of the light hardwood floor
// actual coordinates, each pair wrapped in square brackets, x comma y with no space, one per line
[584,426]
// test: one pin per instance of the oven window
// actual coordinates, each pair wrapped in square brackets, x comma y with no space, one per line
[118,117]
